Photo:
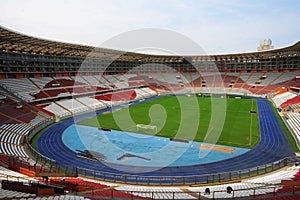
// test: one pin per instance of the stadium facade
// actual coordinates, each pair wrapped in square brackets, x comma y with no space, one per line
[23,56]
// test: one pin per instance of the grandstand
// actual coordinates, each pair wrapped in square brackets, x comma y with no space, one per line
[42,82]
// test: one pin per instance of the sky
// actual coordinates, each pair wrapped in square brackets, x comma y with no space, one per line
[218,26]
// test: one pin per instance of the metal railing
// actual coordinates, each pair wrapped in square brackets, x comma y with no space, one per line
[182,180]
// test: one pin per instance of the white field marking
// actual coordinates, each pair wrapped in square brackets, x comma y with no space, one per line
[250,128]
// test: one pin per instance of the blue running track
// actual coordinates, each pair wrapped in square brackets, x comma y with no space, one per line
[272,147]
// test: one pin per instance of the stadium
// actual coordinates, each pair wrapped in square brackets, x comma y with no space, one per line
[105,124]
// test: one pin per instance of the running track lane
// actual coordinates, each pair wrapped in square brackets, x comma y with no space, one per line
[272,147]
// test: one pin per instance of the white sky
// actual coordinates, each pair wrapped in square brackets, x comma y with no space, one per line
[218,26]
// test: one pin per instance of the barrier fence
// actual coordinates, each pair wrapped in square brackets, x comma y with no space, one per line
[182,180]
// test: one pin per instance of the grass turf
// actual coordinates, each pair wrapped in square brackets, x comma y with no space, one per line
[177,117]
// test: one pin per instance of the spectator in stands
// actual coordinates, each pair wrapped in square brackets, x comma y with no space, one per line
[45,179]
[34,167]
[229,190]
[207,191]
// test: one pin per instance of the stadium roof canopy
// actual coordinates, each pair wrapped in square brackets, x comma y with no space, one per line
[12,42]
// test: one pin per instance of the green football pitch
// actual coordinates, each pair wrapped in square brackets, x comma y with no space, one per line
[226,121]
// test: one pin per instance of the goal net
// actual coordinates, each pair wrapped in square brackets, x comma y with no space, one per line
[145,128]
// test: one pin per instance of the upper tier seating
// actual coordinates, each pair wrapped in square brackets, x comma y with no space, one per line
[41,82]
[124,81]
[281,98]
[20,87]
[56,109]
[92,102]
[117,96]
[30,89]
[73,105]
[106,81]
[143,93]
[289,102]
[89,80]
[67,108]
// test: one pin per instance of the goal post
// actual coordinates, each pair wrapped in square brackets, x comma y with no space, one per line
[146,128]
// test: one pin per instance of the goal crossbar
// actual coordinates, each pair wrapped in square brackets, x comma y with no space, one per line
[147,127]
